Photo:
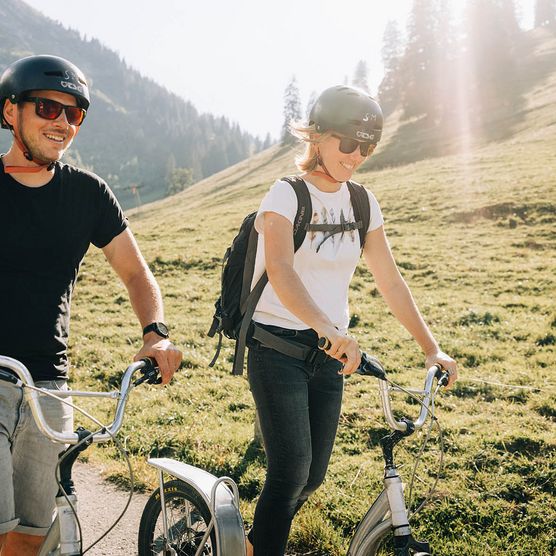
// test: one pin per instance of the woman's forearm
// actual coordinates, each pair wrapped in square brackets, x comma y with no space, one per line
[400,301]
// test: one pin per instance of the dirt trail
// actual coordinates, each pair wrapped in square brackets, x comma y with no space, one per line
[100,503]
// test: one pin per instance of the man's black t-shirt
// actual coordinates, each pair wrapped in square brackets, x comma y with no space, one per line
[44,235]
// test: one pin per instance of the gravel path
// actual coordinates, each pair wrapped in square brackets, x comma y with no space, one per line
[100,503]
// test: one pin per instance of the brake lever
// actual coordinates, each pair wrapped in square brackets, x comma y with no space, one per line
[442,375]
[149,373]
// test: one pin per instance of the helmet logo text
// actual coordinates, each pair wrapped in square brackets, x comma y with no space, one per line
[365,135]
[70,85]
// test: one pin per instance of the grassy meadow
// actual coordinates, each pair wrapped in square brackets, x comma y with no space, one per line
[474,235]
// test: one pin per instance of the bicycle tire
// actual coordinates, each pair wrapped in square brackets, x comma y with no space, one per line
[382,544]
[188,517]
[386,547]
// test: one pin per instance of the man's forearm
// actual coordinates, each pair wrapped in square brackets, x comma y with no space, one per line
[145,298]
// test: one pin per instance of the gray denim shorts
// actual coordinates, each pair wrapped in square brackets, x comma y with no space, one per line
[28,459]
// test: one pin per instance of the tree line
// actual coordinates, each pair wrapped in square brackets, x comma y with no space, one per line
[440,68]
[144,140]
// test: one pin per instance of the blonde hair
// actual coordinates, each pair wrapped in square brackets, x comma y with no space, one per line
[307,161]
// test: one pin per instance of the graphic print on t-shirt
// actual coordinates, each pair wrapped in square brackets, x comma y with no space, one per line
[326,217]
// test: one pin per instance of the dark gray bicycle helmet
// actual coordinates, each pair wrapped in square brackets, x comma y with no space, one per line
[349,111]
[43,72]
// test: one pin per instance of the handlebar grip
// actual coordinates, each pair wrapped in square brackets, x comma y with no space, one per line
[324,343]
[444,379]
[9,377]
[442,375]
[149,373]
[371,366]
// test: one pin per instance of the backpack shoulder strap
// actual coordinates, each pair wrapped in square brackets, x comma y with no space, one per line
[302,217]
[361,208]
[249,264]
[304,209]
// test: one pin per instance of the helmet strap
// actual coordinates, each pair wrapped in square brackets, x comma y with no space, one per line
[327,177]
[326,174]
[40,166]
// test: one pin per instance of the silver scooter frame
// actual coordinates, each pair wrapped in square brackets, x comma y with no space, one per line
[54,544]
[389,510]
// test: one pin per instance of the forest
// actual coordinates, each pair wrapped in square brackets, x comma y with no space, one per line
[143,140]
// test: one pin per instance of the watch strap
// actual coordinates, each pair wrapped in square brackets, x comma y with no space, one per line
[158,327]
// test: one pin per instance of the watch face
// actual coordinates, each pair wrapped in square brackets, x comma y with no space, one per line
[161,329]
[158,327]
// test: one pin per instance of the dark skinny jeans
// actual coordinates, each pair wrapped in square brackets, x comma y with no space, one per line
[299,408]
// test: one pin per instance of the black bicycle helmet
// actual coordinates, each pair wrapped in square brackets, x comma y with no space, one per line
[349,111]
[43,72]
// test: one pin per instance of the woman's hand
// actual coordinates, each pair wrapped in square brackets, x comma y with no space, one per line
[344,348]
[446,362]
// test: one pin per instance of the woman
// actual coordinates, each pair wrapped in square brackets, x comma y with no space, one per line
[298,400]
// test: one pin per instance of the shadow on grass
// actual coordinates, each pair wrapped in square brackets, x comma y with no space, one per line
[548,411]
[159,265]
[528,213]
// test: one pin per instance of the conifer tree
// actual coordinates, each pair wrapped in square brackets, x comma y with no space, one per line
[267,141]
[170,168]
[492,38]
[446,83]
[419,70]
[389,92]
[360,76]
[292,110]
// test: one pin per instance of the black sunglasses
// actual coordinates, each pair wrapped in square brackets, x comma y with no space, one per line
[51,109]
[348,145]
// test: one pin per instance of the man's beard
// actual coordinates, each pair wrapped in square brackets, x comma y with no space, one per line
[37,153]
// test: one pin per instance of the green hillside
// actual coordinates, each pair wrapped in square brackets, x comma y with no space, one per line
[136,132]
[474,234]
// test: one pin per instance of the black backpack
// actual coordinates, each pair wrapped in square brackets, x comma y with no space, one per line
[237,302]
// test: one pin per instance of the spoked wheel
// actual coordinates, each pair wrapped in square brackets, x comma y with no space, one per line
[188,519]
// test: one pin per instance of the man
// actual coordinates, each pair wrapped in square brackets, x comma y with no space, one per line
[50,212]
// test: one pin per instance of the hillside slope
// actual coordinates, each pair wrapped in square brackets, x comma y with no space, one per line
[474,235]
[136,131]
[421,137]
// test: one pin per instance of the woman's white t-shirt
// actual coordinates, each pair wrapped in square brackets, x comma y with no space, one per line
[326,274]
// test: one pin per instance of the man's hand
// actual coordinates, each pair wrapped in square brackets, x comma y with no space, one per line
[167,356]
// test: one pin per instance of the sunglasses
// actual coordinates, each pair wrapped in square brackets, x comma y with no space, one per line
[348,145]
[51,109]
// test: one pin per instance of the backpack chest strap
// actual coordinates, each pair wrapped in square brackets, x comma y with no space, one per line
[334,228]
[330,230]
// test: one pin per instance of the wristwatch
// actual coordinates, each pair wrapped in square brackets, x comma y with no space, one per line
[158,327]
